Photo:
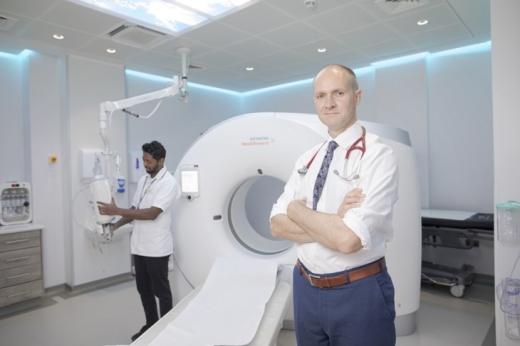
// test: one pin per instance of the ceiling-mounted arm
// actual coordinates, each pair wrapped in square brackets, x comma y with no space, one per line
[184,52]
[109,107]
[179,86]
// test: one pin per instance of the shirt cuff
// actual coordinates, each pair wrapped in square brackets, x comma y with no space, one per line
[278,209]
[354,222]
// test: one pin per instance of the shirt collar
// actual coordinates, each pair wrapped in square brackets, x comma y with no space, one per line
[349,136]
[159,174]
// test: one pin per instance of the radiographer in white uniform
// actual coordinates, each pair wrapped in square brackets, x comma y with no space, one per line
[151,241]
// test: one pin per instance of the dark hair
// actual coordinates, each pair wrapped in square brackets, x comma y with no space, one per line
[155,149]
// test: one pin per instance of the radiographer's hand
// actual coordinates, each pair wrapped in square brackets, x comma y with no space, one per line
[353,199]
[108,208]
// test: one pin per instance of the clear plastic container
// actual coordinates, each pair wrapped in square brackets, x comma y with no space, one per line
[508,223]
[508,294]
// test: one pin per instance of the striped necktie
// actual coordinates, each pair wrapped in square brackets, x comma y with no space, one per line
[322,175]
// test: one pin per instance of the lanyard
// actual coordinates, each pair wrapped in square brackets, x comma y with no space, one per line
[144,191]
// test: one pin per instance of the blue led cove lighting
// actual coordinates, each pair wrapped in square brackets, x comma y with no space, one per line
[162,79]
[148,76]
[400,60]
[212,88]
[20,56]
[475,48]
[278,87]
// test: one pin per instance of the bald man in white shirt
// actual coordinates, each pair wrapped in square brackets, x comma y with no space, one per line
[337,207]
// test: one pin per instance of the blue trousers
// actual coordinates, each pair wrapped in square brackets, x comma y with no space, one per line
[356,314]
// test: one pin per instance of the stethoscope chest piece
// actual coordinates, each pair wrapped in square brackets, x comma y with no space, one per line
[303,170]
[349,178]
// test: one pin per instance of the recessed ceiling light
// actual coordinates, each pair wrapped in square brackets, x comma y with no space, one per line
[58,36]
[111,50]
[322,50]
[422,22]
[250,68]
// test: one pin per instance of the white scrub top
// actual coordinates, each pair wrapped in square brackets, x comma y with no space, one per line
[153,238]
[371,222]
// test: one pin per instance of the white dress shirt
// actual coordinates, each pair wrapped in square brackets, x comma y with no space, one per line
[371,222]
[153,238]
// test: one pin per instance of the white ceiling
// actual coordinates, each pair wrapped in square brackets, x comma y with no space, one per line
[278,37]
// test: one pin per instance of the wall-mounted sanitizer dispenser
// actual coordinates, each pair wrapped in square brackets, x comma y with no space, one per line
[15,203]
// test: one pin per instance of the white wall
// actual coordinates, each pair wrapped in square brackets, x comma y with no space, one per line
[506,127]
[293,99]
[461,139]
[401,100]
[44,101]
[13,135]
[90,82]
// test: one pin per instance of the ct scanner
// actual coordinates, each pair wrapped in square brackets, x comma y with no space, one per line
[242,164]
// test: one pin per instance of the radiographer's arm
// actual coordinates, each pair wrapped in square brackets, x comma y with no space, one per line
[162,200]
[359,226]
[129,214]
[121,222]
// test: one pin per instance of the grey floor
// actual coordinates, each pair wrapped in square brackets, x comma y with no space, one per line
[110,315]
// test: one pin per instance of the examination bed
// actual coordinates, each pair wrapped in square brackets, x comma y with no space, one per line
[266,334]
[453,229]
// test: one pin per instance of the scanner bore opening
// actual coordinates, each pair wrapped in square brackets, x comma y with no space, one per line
[249,211]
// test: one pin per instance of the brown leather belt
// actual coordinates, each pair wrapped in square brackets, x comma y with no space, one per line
[348,276]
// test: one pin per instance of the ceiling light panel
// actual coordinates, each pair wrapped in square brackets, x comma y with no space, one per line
[213,7]
[172,16]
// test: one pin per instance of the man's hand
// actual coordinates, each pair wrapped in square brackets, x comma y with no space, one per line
[108,208]
[294,204]
[353,199]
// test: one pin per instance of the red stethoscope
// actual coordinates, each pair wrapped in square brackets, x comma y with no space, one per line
[359,144]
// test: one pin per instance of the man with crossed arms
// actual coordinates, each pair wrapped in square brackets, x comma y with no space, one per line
[343,294]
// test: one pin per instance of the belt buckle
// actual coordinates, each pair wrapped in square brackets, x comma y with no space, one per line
[313,276]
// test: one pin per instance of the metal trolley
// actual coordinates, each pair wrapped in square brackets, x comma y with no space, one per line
[462,234]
